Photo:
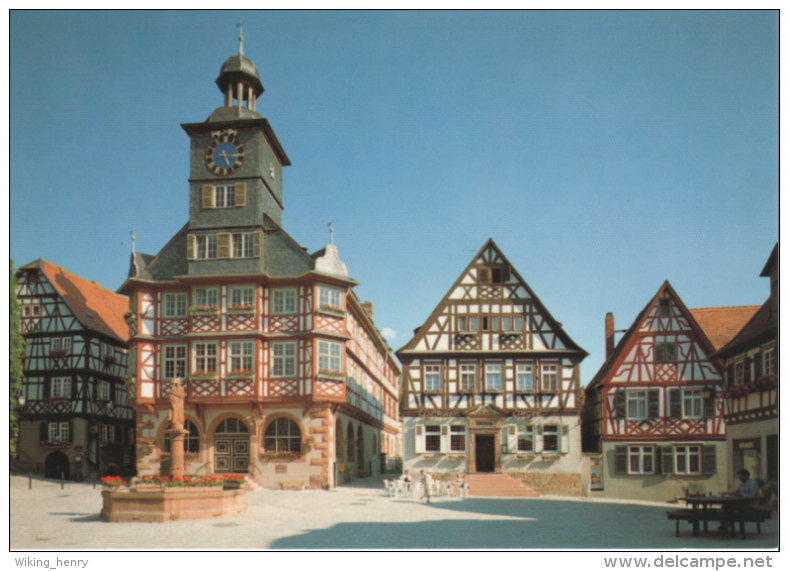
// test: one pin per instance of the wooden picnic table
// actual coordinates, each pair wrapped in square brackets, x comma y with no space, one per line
[723,508]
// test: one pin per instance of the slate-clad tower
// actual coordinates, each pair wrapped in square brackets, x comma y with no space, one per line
[287,378]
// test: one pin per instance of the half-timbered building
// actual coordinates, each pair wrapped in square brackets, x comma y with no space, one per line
[750,399]
[287,379]
[491,383]
[652,415]
[76,419]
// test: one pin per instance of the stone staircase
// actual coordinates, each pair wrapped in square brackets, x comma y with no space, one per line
[497,485]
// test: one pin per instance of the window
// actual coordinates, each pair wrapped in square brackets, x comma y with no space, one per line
[642,459]
[636,404]
[242,296]
[524,377]
[457,438]
[61,387]
[506,323]
[283,301]
[692,403]
[665,352]
[282,435]
[494,323]
[283,359]
[206,247]
[468,377]
[768,362]
[174,361]
[432,377]
[329,356]
[330,296]
[191,440]
[36,311]
[106,433]
[550,377]
[242,245]
[664,308]
[550,438]
[241,356]
[485,323]
[59,432]
[106,351]
[432,438]
[103,390]
[174,305]
[204,358]
[493,377]
[687,459]
[206,297]
[461,323]
[472,324]
[525,438]
[60,345]
[517,323]
[225,196]
[739,373]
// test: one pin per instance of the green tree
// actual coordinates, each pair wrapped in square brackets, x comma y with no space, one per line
[15,371]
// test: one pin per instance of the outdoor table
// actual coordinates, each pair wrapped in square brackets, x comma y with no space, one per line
[731,510]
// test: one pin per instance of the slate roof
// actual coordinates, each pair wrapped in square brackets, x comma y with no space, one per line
[95,307]
[721,324]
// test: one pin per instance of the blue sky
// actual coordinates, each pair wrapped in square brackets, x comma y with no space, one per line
[604,152]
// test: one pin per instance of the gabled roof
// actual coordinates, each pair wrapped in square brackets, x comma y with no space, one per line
[770,264]
[95,307]
[419,332]
[613,359]
[762,327]
[721,324]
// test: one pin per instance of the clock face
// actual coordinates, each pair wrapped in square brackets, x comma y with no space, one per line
[224,155]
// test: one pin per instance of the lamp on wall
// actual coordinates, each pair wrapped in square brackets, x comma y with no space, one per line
[707,392]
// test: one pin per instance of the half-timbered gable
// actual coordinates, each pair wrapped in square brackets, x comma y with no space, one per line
[654,409]
[491,345]
[75,362]
[255,327]
[750,396]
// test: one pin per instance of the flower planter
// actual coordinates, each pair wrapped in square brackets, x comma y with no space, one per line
[204,311]
[203,377]
[241,310]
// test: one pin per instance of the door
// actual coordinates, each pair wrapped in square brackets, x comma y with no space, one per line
[486,452]
[56,464]
[231,454]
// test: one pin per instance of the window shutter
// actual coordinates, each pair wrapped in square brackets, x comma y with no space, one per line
[757,365]
[619,404]
[666,459]
[444,438]
[748,361]
[653,403]
[190,247]
[538,438]
[256,244]
[730,375]
[620,459]
[44,431]
[419,435]
[241,194]
[71,432]
[564,441]
[709,405]
[512,439]
[208,196]
[675,403]
[709,460]
[223,245]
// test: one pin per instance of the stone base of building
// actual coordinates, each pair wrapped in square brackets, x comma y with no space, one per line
[557,484]
[176,503]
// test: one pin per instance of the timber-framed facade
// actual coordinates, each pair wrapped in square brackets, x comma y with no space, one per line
[491,383]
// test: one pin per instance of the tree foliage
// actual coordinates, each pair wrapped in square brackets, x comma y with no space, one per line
[15,370]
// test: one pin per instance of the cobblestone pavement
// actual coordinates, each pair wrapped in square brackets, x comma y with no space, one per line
[360,516]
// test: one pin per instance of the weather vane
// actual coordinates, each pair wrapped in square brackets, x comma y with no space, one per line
[240,27]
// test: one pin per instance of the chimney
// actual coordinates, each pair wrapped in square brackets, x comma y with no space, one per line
[368,307]
[609,334]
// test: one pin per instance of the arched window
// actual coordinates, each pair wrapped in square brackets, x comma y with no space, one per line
[282,435]
[231,426]
[339,449]
[351,448]
[191,440]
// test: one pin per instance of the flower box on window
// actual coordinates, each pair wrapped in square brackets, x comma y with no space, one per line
[240,374]
[268,456]
[55,444]
[525,456]
[550,455]
[467,391]
[240,308]
[203,376]
[331,310]
[204,310]
[493,391]
[524,391]
[331,375]
[432,456]
[457,457]
[432,391]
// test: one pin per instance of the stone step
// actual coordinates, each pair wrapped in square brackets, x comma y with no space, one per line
[498,485]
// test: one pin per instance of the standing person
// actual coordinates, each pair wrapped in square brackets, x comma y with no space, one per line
[428,485]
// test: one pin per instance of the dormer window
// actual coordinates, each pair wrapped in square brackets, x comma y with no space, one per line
[206,247]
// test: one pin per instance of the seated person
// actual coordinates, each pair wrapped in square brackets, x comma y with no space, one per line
[748,488]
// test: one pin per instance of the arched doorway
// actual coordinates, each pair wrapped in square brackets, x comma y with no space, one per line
[56,464]
[231,447]
[339,449]
[350,445]
[360,467]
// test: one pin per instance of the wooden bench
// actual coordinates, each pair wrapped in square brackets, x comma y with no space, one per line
[299,486]
[693,517]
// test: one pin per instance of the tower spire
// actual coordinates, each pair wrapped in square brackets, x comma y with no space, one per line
[240,27]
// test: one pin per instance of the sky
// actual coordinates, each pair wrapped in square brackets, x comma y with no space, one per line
[604,152]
